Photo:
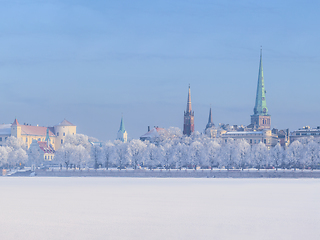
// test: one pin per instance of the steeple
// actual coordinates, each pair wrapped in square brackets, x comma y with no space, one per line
[188,126]
[189,107]
[260,118]
[122,133]
[210,123]
[260,107]
[122,128]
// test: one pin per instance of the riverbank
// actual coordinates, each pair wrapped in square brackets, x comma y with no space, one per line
[252,173]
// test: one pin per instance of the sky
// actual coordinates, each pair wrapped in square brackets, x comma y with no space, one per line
[91,62]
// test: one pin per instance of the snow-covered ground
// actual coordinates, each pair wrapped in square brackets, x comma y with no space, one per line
[135,208]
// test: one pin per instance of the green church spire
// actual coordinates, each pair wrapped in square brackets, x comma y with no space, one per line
[122,129]
[260,107]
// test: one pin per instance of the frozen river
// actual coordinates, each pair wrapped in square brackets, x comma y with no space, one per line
[134,208]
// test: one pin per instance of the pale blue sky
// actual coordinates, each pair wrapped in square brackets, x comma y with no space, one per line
[138,57]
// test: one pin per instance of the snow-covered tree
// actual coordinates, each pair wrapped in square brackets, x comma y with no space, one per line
[17,155]
[152,156]
[137,149]
[276,156]
[259,155]
[122,156]
[4,152]
[243,149]
[197,154]
[108,154]
[79,156]
[64,154]
[294,155]
[312,154]
[213,151]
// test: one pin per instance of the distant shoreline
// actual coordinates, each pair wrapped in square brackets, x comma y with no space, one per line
[234,173]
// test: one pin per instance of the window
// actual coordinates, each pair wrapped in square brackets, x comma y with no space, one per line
[26,139]
[264,141]
[0,138]
[45,157]
[259,141]
[57,133]
[5,138]
[39,139]
[64,134]
[72,133]
[250,140]
[61,141]
[255,141]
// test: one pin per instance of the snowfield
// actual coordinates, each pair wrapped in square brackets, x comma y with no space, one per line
[154,208]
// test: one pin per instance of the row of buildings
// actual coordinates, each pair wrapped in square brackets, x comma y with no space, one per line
[47,140]
[259,129]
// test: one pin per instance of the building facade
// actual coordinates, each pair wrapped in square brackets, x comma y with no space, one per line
[56,134]
[305,132]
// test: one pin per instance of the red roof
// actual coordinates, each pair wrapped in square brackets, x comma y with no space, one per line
[15,123]
[35,130]
[43,146]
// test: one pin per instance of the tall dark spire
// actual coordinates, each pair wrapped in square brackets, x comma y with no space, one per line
[210,123]
[188,126]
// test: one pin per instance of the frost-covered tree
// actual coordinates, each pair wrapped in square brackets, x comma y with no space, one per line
[79,156]
[312,154]
[152,156]
[167,153]
[17,155]
[213,151]
[197,154]
[122,156]
[4,152]
[259,155]
[243,149]
[294,155]
[108,154]
[96,155]
[137,150]
[276,156]
[180,155]
[228,155]
[64,154]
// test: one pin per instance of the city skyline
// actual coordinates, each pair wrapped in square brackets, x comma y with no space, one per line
[90,62]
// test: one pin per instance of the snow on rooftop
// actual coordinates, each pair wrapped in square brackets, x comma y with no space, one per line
[243,133]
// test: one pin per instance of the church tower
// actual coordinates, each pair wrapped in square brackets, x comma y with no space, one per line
[188,126]
[122,133]
[210,123]
[260,119]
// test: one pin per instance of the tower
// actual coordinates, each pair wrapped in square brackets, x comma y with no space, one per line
[122,133]
[188,126]
[260,118]
[16,129]
[210,130]
[210,123]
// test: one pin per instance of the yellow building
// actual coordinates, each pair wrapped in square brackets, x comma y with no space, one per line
[55,136]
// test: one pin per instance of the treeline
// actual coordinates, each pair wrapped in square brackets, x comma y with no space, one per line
[171,150]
